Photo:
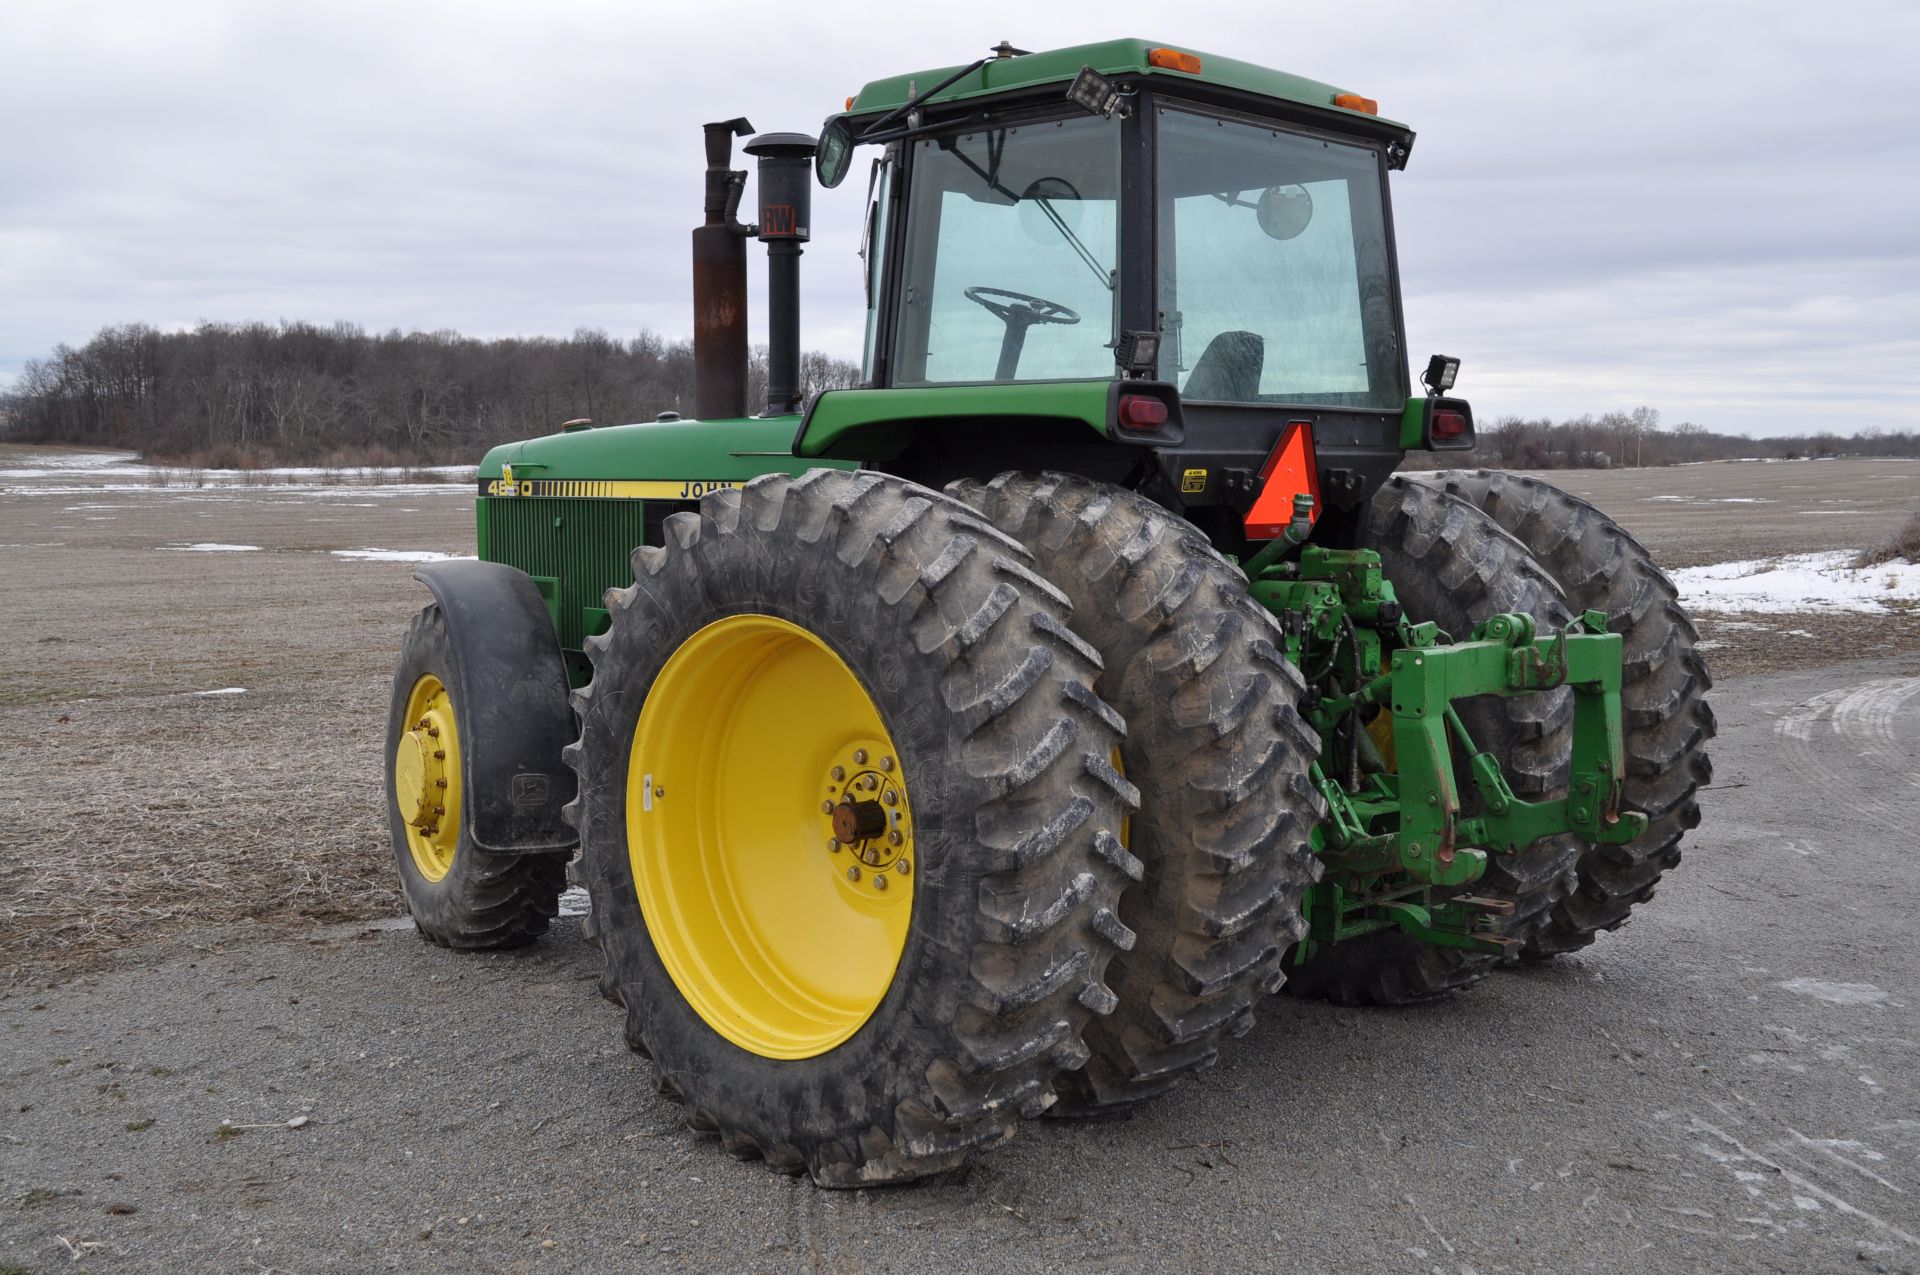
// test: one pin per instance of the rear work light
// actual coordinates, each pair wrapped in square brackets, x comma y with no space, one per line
[1137,411]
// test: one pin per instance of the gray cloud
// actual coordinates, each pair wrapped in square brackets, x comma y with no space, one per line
[1709,208]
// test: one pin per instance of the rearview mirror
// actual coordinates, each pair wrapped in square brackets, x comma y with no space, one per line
[835,154]
[1284,211]
[1049,206]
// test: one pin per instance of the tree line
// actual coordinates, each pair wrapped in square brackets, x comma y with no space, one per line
[244,395]
[1624,439]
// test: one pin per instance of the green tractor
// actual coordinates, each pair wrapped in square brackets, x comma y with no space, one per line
[990,739]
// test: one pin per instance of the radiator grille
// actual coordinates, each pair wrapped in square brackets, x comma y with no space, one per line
[584,544]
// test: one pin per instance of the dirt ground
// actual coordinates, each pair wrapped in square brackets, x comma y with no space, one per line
[136,803]
[1730,1084]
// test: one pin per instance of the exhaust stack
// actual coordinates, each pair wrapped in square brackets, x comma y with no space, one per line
[720,283]
[786,198]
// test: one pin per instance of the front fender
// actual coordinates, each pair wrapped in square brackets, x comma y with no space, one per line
[512,704]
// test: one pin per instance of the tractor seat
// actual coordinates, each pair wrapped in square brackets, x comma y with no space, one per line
[1229,370]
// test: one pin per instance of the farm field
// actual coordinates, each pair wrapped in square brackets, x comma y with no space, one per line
[199,923]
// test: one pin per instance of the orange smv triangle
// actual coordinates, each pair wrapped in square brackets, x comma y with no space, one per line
[1290,470]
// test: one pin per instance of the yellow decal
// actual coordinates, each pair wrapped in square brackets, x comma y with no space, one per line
[1193,481]
[600,489]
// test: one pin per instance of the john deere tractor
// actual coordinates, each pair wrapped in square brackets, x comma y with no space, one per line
[990,739]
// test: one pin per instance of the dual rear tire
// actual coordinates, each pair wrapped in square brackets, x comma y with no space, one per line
[842,992]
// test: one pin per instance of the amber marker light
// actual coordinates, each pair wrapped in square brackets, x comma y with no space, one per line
[1173,60]
[1354,102]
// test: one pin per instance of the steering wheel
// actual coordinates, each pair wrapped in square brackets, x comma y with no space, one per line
[1019,312]
[1031,310]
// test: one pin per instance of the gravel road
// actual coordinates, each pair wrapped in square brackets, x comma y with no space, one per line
[1728,1084]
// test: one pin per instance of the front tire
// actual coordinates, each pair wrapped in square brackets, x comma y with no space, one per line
[781,631]
[460,896]
[1217,745]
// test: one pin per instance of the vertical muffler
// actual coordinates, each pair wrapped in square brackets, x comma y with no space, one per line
[720,283]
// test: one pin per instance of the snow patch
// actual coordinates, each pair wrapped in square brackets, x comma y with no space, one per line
[210,547]
[401,555]
[574,902]
[1799,582]
[224,690]
[1836,993]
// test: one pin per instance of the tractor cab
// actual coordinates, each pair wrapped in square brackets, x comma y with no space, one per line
[1212,238]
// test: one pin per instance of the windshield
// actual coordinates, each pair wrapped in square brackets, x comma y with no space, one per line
[1012,239]
[1274,283]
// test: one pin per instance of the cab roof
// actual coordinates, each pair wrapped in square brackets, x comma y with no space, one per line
[1112,58]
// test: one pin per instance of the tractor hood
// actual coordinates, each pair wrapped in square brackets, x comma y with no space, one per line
[687,451]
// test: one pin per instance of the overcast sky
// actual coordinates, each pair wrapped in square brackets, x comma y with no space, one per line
[1713,209]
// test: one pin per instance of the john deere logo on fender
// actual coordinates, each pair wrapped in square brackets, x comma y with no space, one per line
[602,489]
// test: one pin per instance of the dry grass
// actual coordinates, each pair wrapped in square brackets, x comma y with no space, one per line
[134,808]
[147,815]
[1904,543]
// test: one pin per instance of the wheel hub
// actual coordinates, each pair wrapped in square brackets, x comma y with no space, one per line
[426,778]
[420,773]
[867,817]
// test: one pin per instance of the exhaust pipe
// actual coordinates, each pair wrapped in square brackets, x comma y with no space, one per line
[786,200]
[720,283]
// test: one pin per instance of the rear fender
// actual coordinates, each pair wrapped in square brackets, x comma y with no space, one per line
[512,703]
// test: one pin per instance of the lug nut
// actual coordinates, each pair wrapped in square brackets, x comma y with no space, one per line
[853,872]
[833,845]
[893,838]
[891,797]
[879,880]
[440,755]
[439,810]
[838,772]
[859,756]
[904,867]
[886,763]
[440,783]
[826,807]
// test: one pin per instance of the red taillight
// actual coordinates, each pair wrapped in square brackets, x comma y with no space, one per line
[1449,425]
[1137,411]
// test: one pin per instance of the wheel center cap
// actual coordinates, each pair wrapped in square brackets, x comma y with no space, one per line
[857,820]
[420,774]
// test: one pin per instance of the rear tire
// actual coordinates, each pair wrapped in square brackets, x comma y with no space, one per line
[1452,564]
[1221,755]
[964,655]
[460,896]
[1664,681]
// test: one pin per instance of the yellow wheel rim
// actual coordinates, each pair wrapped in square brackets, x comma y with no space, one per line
[426,778]
[770,835]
